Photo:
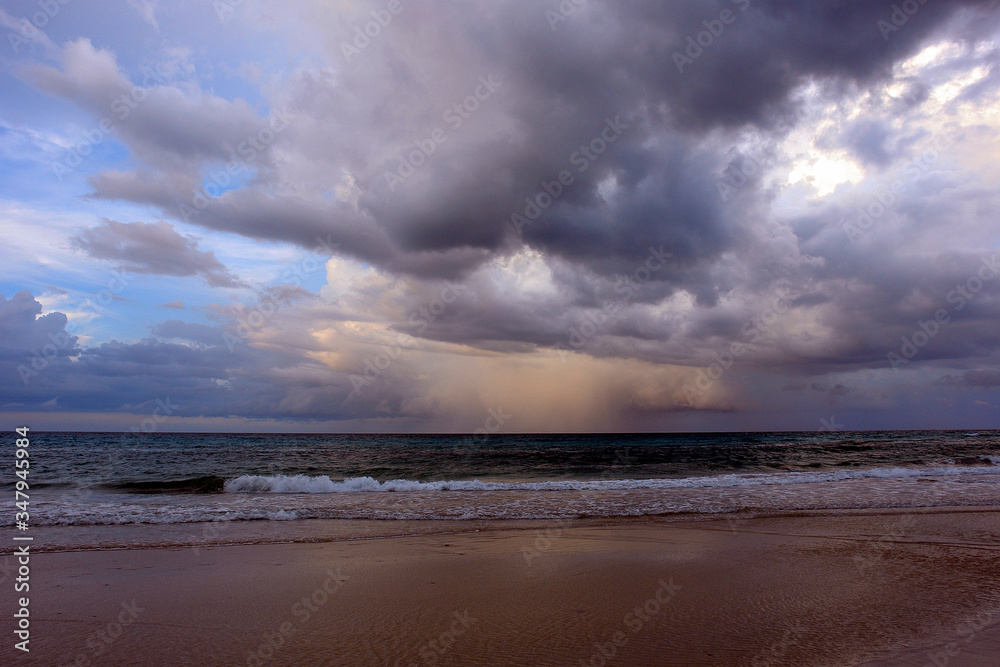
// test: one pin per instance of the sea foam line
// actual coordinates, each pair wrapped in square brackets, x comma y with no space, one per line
[323,484]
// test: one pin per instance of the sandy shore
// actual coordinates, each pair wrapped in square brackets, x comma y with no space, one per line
[835,589]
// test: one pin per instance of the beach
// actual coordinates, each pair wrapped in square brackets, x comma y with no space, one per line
[878,587]
[417,333]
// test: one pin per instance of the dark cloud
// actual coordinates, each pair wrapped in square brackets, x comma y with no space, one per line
[23,332]
[162,124]
[582,152]
[558,88]
[216,377]
[154,248]
[37,373]
[867,139]
[31,347]
[986,379]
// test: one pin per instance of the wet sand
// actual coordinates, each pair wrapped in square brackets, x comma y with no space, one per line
[904,588]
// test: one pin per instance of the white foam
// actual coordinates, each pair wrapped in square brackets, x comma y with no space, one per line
[300,497]
[323,484]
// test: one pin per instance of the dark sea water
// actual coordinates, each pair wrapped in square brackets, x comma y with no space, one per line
[106,479]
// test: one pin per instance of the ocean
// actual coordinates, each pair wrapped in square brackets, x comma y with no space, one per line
[103,490]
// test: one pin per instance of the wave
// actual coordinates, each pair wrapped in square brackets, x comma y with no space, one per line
[204,484]
[70,515]
[263,484]
[300,497]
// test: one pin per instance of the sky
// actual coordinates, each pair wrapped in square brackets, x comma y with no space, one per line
[514,216]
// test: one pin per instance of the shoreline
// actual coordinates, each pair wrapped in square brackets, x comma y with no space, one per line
[836,587]
[210,534]
[972,643]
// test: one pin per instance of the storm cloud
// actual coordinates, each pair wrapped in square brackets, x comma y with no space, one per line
[153,248]
[722,199]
